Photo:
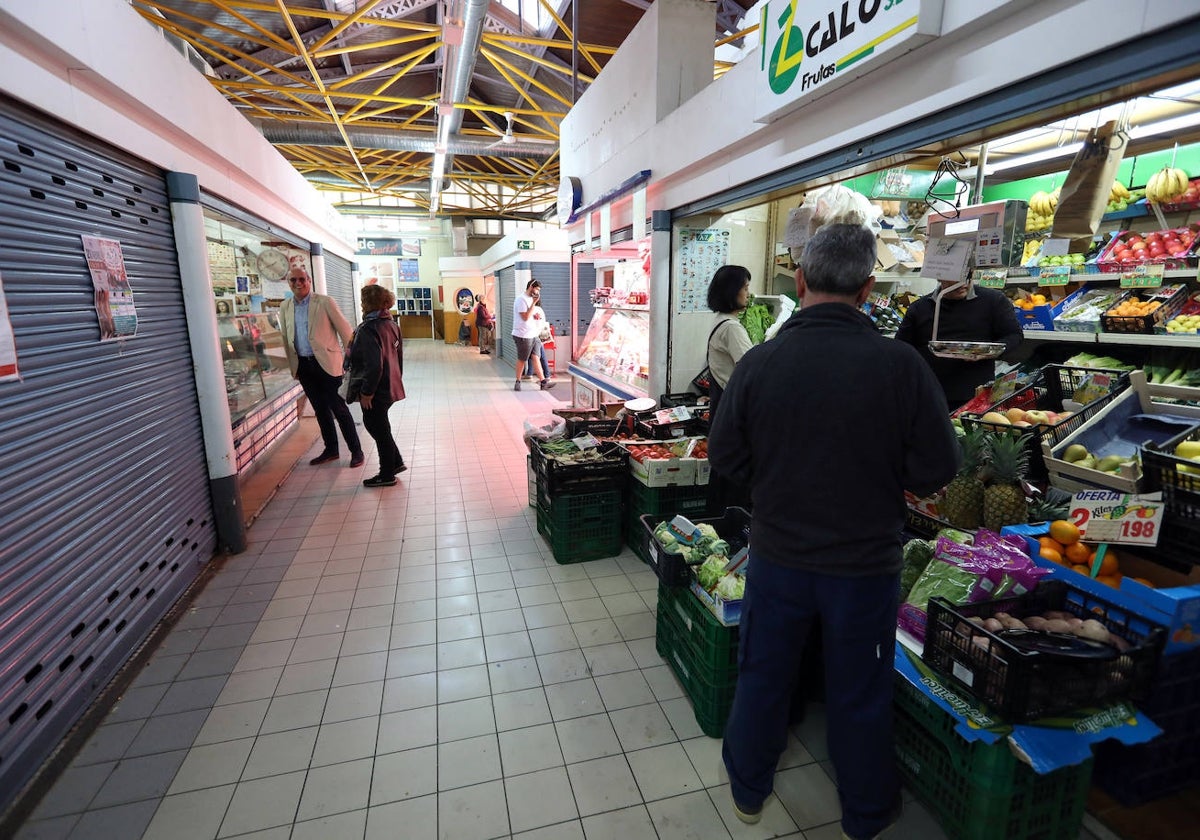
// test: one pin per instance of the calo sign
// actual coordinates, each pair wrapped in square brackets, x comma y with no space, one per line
[812,47]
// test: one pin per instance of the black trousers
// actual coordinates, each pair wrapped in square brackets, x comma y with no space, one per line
[322,392]
[375,421]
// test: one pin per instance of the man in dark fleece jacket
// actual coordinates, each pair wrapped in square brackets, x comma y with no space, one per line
[828,424]
[987,315]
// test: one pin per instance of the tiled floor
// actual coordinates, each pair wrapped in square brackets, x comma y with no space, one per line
[410,662]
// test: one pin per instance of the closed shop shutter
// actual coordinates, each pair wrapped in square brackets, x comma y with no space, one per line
[105,516]
[585,282]
[506,279]
[556,293]
[339,285]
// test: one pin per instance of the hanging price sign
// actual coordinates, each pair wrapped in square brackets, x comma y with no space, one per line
[991,278]
[1143,277]
[1112,517]
[1055,275]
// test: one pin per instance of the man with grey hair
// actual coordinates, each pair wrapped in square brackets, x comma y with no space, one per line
[827,424]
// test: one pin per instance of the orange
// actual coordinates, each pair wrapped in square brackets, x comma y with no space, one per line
[1110,580]
[1109,565]
[1143,582]
[1086,571]
[1078,553]
[1052,544]
[1063,531]
[1051,555]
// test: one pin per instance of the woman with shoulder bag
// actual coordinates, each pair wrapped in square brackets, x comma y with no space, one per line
[728,295]
[376,366]
[485,323]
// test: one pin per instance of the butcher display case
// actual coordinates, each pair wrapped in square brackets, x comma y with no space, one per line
[615,350]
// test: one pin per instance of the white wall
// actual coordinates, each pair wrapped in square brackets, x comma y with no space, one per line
[97,65]
[711,143]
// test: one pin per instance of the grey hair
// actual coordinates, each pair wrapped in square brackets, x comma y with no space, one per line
[839,258]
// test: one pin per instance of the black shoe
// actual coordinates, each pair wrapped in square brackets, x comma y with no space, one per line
[517,385]
[379,481]
[400,469]
[356,460]
[750,816]
[324,458]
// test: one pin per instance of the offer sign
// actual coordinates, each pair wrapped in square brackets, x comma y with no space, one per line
[1109,516]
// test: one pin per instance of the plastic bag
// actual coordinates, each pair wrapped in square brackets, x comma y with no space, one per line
[544,427]
[834,204]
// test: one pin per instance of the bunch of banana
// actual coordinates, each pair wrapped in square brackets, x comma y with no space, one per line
[1166,185]
[1032,248]
[1118,198]
[1043,203]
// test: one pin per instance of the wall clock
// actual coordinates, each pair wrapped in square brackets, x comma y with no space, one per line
[273,264]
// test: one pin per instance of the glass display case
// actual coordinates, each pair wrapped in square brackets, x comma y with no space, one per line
[256,367]
[617,346]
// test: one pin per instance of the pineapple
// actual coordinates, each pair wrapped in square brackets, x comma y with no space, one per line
[963,502]
[1004,497]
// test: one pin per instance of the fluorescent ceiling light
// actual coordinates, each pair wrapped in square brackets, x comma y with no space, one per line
[439,171]
[1036,157]
[1165,126]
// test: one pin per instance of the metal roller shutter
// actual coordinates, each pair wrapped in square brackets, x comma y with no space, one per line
[506,280]
[556,293]
[106,515]
[339,285]
[586,281]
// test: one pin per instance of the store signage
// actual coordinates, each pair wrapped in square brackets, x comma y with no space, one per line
[389,247]
[991,278]
[812,48]
[524,244]
[1055,275]
[902,183]
[1143,277]
[1108,516]
[947,259]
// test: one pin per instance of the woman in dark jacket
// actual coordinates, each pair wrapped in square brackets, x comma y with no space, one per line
[376,365]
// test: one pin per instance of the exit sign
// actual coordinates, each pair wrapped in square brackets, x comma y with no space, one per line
[524,244]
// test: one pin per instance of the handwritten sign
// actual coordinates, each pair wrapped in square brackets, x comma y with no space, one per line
[1113,517]
[947,259]
[1143,277]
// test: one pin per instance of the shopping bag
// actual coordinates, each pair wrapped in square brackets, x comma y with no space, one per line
[1085,193]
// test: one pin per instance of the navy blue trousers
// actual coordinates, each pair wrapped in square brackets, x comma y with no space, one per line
[857,616]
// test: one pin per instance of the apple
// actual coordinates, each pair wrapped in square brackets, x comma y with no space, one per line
[1138,246]
[1123,254]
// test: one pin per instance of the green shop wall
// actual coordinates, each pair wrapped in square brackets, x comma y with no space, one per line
[1133,172]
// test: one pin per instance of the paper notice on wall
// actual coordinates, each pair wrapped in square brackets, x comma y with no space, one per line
[8,344]
[113,294]
[701,253]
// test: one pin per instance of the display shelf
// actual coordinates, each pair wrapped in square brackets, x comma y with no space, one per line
[617,349]
[622,307]
[1114,338]
[609,386]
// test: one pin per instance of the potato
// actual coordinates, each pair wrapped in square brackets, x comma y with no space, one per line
[1057,625]
[1036,622]
[1009,622]
[992,625]
[1094,630]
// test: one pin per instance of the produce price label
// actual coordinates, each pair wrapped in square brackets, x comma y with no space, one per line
[1112,517]
[1056,247]
[991,278]
[1143,277]
[1055,275]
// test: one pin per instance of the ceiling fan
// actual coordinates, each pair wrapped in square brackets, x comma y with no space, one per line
[507,138]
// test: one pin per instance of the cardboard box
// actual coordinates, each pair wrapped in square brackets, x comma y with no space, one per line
[1174,603]
[1042,317]
[1118,430]
[885,260]
[728,613]
[664,472]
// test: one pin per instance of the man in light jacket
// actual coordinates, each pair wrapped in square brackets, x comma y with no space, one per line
[314,332]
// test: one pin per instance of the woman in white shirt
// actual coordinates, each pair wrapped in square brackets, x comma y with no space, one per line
[728,295]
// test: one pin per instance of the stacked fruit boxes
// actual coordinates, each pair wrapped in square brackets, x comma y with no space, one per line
[701,652]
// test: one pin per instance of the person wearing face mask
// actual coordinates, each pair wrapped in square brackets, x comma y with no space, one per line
[967,314]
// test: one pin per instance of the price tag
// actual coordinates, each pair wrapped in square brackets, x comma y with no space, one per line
[1005,386]
[947,259]
[1143,277]
[1055,275]
[991,278]
[1113,517]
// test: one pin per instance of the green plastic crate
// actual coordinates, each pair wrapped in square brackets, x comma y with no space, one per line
[982,791]
[664,502]
[582,526]
[709,643]
[711,701]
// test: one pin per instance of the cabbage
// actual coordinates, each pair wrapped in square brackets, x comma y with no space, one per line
[666,539]
[731,587]
[710,572]
[707,530]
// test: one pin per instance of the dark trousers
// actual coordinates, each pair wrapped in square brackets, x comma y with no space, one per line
[375,421]
[542,358]
[322,392]
[857,616]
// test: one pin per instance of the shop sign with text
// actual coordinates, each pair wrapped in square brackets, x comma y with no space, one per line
[811,47]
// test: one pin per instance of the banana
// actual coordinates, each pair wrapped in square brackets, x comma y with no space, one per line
[1152,187]
[1166,185]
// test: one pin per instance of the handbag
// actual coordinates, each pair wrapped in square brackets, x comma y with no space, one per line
[545,335]
[703,380]
[351,387]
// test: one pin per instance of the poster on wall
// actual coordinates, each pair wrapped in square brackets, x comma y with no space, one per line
[409,272]
[113,295]
[380,247]
[701,253]
[8,344]
[378,270]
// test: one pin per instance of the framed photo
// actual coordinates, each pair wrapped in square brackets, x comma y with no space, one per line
[242,304]
[243,285]
[226,305]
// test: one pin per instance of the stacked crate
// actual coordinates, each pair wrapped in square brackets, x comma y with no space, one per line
[701,651]
[579,505]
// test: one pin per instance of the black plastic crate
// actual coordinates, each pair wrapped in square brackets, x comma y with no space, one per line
[554,476]
[663,502]
[1023,685]
[1139,773]
[648,428]
[1050,387]
[607,427]
[579,413]
[688,398]
[733,527]
[922,524]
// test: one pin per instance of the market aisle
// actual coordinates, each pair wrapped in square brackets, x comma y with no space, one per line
[411,662]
